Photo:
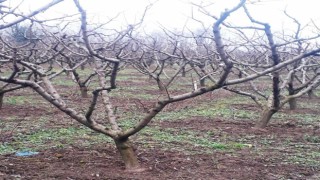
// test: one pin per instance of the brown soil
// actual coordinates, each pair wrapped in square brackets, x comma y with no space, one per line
[103,161]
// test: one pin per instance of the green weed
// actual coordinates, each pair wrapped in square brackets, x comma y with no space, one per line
[64,82]
[188,137]
[15,100]
[312,139]
[6,148]
[48,138]
[219,109]
[306,159]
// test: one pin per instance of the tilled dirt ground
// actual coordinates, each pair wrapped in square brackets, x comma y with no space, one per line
[266,157]
[104,163]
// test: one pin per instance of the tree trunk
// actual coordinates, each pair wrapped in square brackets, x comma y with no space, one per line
[293,104]
[203,82]
[1,99]
[183,72]
[84,91]
[160,85]
[240,74]
[265,118]
[311,94]
[128,155]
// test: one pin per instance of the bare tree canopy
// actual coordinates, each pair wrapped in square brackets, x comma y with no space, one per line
[225,55]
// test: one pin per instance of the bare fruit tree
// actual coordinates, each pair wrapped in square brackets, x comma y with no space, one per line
[29,66]
[18,32]
[262,56]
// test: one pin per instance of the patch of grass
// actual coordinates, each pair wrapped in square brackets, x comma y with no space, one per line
[19,100]
[118,93]
[128,121]
[48,138]
[188,137]
[306,159]
[85,72]
[14,124]
[312,139]
[307,104]
[6,148]
[125,88]
[302,118]
[15,100]
[64,82]
[218,109]
[124,78]
[8,120]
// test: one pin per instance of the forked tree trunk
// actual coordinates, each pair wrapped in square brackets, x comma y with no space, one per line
[1,99]
[84,91]
[293,104]
[128,155]
[265,118]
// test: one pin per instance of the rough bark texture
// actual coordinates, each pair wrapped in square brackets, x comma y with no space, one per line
[311,94]
[68,73]
[203,82]
[1,100]
[240,75]
[183,72]
[84,91]
[293,104]
[160,85]
[128,155]
[265,118]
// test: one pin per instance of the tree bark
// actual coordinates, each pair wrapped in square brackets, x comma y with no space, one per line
[203,82]
[265,117]
[293,104]
[160,85]
[128,155]
[1,100]
[240,75]
[311,94]
[183,72]
[84,91]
